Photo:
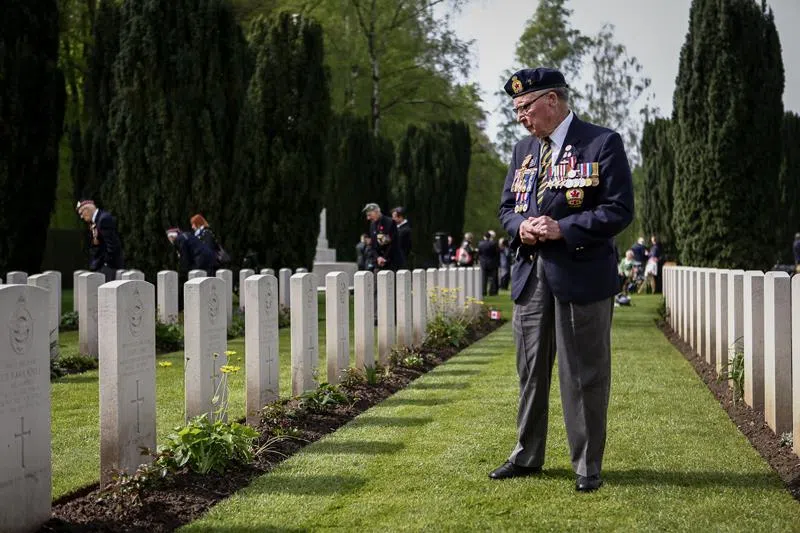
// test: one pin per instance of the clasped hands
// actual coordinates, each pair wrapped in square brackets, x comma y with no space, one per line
[535,229]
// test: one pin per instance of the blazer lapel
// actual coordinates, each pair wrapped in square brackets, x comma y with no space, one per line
[572,139]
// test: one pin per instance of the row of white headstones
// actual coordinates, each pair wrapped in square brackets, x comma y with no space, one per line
[721,312]
[126,319]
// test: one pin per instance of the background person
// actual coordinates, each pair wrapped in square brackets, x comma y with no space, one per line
[489,262]
[383,233]
[202,230]
[504,270]
[193,254]
[403,236]
[105,252]
[465,255]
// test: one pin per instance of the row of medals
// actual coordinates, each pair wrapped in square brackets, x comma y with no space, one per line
[566,175]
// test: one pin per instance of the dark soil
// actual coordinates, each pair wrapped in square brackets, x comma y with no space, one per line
[185,496]
[749,421]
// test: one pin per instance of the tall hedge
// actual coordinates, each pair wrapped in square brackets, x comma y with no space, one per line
[178,86]
[432,170]
[789,183]
[359,167]
[32,103]
[727,104]
[92,153]
[658,162]
[280,154]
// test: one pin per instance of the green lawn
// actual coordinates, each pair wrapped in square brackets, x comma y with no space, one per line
[75,406]
[419,460]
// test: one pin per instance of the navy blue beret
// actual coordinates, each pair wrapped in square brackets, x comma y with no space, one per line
[534,79]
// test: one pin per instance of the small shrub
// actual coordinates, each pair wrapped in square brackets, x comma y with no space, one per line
[787,439]
[236,327]
[126,490]
[371,375]
[284,317]
[407,357]
[351,378]
[444,331]
[203,446]
[323,398]
[74,364]
[169,337]
[735,372]
[55,370]
[69,321]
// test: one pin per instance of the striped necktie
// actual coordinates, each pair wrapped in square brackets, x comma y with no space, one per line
[546,161]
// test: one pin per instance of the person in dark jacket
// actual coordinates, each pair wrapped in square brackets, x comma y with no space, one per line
[383,232]
[489,261]
[640,251]
[106,255]
[193,253]
[505,263]
[403,235]
[202,231]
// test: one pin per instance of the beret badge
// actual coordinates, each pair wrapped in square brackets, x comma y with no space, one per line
[516,85]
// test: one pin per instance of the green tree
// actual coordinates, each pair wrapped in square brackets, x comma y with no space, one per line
[616,78]
[658,161]
[359,167]
[727,149]
[179,80]
[433,169]
[788,216]
[31,115]
[280,156]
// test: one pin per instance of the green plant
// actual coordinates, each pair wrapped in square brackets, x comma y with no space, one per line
[55,369]
[371,375]
[204,445]
[734,372]
[69,321]
[352,378]
[126,490]
[787,439]
[323,398]
[74,364]
[446,330]
[169,337]
[236,327]
[407,356]
[284,317]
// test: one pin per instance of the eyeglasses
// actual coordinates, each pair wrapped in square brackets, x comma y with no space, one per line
[524,108]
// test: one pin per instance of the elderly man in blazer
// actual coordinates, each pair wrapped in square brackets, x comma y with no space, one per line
[568,192]
[106,246]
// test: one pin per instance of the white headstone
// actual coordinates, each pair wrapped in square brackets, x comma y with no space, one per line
[167,298]
[25,467]
[386,315]
[420,292]
[709,313]
[405,315]
[337,325]
[691,306]
[17,278]
[133,275]
[267,272]
[462,288]
[364,317]
[227,276]
[444,278]
[432,289]
[284,287]
[735,312]
[88,284]
[57,278]
[452,284]
[469,285]
[796,363]
[49,282]
[700,324]
[754,339]
[194,274]
[127,376]
[119,273]
[75,288]
[721,318]
[205,343]
[261,344]
[778,351]
[301,270]
[305,333]
[243,275]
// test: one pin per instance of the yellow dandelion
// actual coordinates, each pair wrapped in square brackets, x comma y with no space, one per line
[229,369]
[230,352]
[164,364]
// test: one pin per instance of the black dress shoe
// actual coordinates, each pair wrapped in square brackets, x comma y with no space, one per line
[508,470]
[588,483]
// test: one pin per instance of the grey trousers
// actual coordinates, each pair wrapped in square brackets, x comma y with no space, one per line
[581,336]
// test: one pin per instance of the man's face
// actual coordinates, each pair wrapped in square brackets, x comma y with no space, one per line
[374,215]
[86,213]
[536,112]
[397,218]
[172,237]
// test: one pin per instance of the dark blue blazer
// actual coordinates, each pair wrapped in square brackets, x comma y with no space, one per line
[108,252]
[194,253]
[581,267]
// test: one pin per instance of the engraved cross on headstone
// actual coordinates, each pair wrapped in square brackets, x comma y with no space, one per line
[138,401]
[21,435]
